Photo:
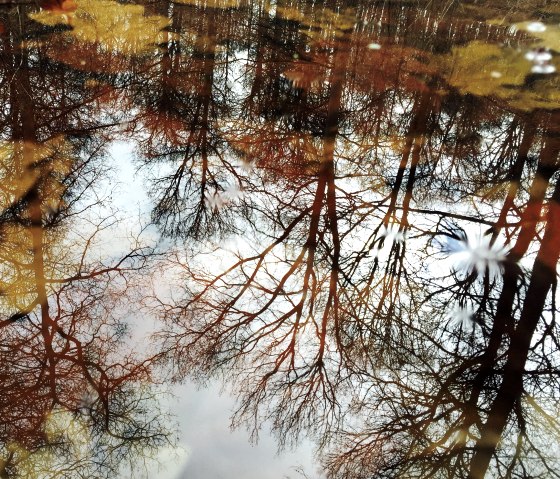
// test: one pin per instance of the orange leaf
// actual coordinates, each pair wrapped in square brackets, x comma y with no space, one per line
[61,6]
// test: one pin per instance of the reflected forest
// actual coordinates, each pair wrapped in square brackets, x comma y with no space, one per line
[352,222]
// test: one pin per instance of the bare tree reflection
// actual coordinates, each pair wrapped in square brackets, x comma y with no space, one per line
[75,402]
[337,317]
[393,293]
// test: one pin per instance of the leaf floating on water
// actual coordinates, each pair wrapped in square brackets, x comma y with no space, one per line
[472,69]
[23,163]
[113,26]
[60,427]
[59,6]
[24,166]
[322,22]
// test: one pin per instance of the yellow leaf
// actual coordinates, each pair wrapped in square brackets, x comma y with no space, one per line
[113,26]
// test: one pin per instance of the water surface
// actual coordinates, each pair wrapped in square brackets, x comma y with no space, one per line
[348,212]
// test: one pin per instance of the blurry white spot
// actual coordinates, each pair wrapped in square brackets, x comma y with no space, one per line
[543,69]
[536,27]
[541,61]
[374,46]
[295,55]
[476,254]
[232,193]
[393,234]
[538,56]
[247,166]
[495,74]
[462,316]
[82,62]
[214,200]
[219,200]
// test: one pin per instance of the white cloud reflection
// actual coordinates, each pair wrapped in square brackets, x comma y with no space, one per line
[216,452]
[207,448]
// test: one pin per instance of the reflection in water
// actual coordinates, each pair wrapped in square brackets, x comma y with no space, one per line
[75,403]
[363,202]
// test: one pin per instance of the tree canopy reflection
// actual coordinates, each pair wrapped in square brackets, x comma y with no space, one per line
[368,199]
[75,401]
[336,314]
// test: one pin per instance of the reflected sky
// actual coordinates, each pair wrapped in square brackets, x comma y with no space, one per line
[206,446]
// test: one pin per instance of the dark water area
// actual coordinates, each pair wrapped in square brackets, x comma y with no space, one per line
[347,213]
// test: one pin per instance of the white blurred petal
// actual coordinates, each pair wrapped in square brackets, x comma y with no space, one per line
[476,254]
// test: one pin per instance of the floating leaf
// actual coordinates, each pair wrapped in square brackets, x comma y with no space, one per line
[113,26]
[23,166]
[504,73]
[59,6]
[321,21]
